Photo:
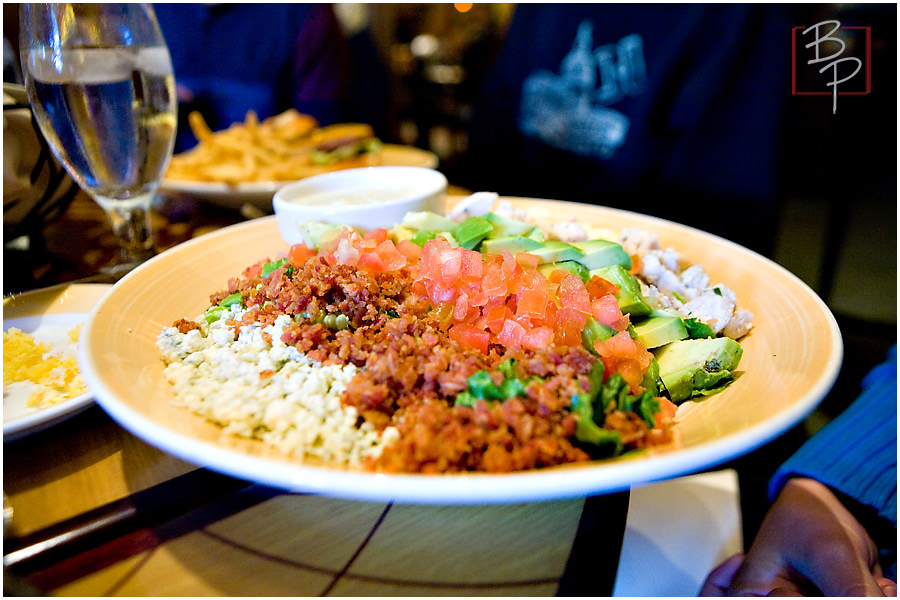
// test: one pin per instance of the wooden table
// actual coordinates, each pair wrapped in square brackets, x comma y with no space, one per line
[99,512]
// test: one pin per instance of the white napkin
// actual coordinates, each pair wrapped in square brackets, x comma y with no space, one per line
[677,531]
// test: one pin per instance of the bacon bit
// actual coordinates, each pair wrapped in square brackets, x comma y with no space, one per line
[184,325]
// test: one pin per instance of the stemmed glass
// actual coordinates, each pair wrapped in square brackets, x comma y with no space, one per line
[100,82]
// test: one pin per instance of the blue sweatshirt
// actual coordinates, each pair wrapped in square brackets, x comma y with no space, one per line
[856,453]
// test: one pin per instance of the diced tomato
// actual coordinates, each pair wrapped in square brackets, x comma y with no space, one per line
[598,287]
[468,335]
[667,410]
[393,259]
[529,261]
[631,373]
[573,294]
[627,356]
[253,270]
[495,316]
[300,253]
[532,303]
[472,267]
[451,266]
[511,303]
[370,261]
[377,235]
[462,307]
[537,338]
[556,275]
[411,251]
[606,310]
[494,282]
[512,334]
[569,325]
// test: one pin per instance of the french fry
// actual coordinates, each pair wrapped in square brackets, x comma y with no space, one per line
[276,149]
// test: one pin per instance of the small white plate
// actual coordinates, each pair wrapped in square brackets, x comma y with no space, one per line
[48,315]
[260,193]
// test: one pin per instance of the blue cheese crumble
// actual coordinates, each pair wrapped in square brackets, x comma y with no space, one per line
[267,391]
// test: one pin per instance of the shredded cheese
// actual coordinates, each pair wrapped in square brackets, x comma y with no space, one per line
[54,373]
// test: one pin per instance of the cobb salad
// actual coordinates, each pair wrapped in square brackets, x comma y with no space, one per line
[473,341]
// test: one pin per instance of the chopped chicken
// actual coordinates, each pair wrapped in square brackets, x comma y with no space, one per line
[713,307]
[569,231]
[687,290]
[506,210]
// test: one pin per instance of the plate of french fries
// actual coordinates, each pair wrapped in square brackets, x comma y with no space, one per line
[250,160]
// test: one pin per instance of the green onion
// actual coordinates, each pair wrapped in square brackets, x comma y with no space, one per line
[213,314]
[231,299]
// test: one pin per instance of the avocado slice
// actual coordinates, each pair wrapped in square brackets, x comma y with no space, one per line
[656,331]
[573,266]
[553,251]
[513,243]
[470,232]
[602,253]
[702,367]
[428,221]
[629,296]
[536,234]
[505,227]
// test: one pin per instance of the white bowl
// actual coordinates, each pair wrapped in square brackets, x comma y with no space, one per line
[371,197]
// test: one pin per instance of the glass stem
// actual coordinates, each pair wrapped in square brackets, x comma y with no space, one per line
[130,220]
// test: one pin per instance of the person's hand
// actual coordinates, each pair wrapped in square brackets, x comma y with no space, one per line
[808,544]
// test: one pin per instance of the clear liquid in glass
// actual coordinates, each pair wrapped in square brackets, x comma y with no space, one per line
[110,115]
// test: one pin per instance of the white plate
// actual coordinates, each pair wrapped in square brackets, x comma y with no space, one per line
[790,361]
[259,194]
[47,315]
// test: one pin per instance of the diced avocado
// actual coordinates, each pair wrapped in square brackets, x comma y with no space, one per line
[701,367]
[314,233]
[427,220]
[512,243]
[470,232]
[400,233]
[602,253]
[447,235]
[505,227]
[572,266]
[629,296]
[658,331]
[595,330]
[555,251]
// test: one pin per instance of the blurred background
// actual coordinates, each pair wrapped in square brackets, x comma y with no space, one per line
[721,143]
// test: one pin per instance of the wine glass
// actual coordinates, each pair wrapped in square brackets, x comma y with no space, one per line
[100,83]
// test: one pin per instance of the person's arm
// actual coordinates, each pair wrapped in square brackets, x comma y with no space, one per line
[835,505]
[808,544]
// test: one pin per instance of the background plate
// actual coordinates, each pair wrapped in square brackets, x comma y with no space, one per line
[46,314]
[791,359]
[259,194]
